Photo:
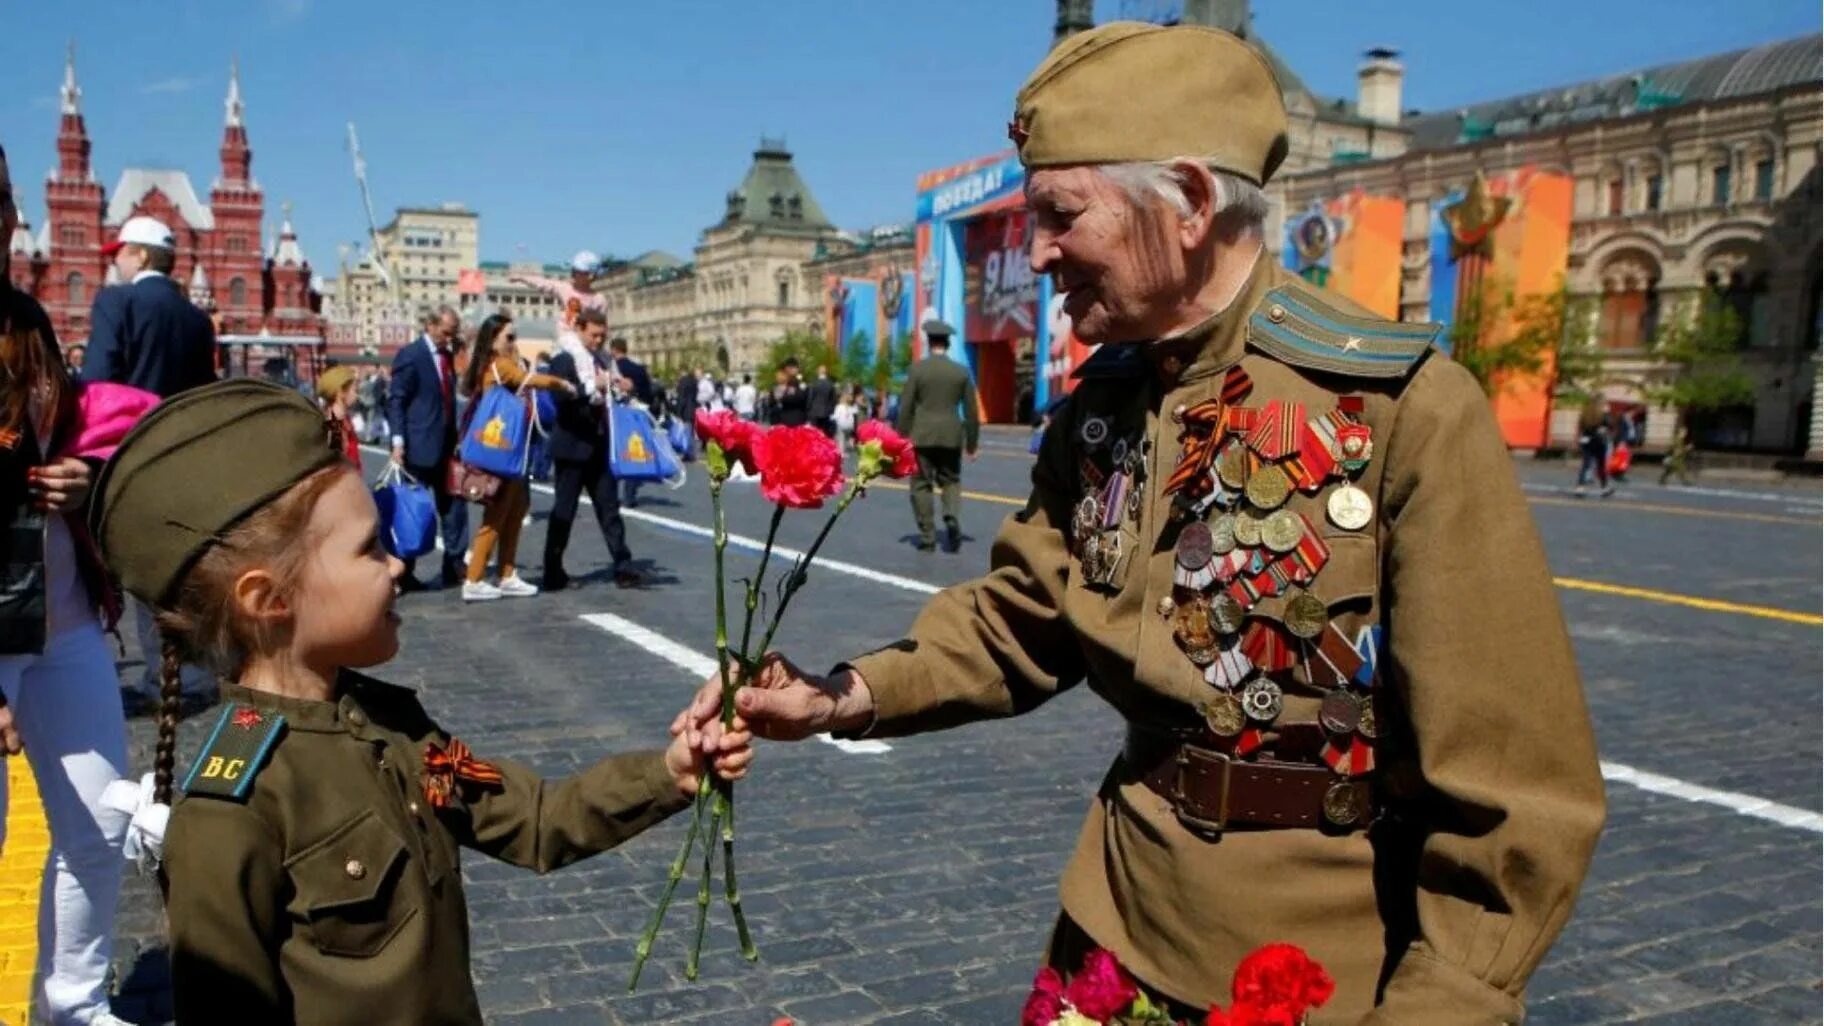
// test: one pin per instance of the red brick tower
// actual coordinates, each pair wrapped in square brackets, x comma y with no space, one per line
[234,263]
[74,207]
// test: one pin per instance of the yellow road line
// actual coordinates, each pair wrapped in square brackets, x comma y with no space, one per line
[28,840]
[1672,598]
[1677,511]
[1644,594]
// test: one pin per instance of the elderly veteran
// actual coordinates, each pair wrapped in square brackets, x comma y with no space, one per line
[1283,539]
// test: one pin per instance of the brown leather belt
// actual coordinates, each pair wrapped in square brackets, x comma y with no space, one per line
[1211,792]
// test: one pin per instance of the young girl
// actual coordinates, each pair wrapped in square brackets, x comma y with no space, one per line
[494,360]
[336,388]
[311,869]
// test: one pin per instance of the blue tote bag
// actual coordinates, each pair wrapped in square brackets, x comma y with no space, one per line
[638,450]
[408,513]
[499,434]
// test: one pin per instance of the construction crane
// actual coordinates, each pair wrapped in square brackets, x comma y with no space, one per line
[367,203]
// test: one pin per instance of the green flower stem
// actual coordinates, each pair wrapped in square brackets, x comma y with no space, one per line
[643,950]
[803,567]
[731,892]
[709,858]
[753,604]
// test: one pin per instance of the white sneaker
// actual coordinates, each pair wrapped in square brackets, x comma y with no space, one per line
[515,587]
[479,591]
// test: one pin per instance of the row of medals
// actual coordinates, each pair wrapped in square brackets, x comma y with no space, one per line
[1249,531]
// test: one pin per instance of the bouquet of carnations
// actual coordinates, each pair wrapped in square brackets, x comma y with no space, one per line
[799,468]
[1275,985]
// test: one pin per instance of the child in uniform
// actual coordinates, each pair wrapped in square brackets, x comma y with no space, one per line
[311,869]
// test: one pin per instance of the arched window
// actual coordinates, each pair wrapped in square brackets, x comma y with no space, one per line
[237,292]
[77,288]
[1629,314]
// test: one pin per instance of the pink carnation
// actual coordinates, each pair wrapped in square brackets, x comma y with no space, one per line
[1102,988]
[736,437]
[897,456]
[799,467]
[1046,1002]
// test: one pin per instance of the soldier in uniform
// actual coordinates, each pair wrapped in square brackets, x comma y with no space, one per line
[936,388]
[311,869]
[1283,539]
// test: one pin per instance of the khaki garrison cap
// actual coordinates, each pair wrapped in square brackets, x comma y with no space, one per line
[1131,91]
[197,465]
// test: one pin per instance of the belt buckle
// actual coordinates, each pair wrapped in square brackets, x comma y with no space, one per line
[1186,753]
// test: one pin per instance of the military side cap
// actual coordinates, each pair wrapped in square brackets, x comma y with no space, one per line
[1130,91]
[192,469]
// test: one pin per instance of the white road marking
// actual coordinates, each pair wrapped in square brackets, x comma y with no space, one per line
[1796,499]
[1741,804]
[700,667]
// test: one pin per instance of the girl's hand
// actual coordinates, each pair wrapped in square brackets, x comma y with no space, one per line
[61,486]
[729,751]
[9,734]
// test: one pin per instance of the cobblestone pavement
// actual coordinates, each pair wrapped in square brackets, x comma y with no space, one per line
[917,886]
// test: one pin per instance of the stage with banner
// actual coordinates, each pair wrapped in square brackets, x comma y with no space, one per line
[1350,245]
[1494,244]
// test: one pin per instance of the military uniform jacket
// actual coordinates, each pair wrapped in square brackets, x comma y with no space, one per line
[329,890]
[1486,761]
[935,388]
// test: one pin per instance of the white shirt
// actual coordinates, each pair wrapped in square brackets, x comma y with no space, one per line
[572,343]
[706,390]
[143,275]
[745,397]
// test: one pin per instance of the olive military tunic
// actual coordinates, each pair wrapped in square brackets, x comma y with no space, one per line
[1487,769]
[332,892]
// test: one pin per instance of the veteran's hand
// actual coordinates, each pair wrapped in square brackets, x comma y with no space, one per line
[783,703]
[61,486]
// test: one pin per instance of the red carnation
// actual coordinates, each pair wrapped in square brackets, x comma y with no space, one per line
[1279,983]
[799,467]
[1102,987]
[897,456]
[1046,1002]
[735,437]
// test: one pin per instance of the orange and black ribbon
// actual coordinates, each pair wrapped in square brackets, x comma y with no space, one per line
[1203,428]
[444,768]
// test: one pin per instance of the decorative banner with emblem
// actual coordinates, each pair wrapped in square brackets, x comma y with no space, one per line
[1491,238]
[1350,244]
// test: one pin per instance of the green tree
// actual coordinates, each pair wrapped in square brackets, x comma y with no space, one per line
[1497,336]
[1703,342]
[857,359]
[809,349]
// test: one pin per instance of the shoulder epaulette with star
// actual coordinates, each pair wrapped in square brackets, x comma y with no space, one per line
[1111,361]
[1298,327]
[235,753]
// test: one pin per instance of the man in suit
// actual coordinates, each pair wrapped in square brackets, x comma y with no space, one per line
[936,388]
[579,453]
[421,407]
[632,381]
[822,402]
[146,333]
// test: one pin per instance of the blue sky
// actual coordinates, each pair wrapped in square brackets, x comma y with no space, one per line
[620,126]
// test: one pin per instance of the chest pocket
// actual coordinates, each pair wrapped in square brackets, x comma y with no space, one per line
[1348,585]
[349,887]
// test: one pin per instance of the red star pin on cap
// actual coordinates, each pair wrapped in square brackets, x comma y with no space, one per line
[1018,132]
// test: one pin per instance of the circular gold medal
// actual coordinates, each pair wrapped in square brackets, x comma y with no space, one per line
[1364,724]
[1282,531]
[1247,530]
[1305,615]
[1223,715]
[1350,508]
[1262,699]
[1232,465]
[1222,535]
[1194,631]
[1226,614]
[1268,487]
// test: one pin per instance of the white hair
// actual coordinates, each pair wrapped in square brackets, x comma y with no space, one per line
[1236,197]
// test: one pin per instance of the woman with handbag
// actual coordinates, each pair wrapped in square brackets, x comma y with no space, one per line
[494,360]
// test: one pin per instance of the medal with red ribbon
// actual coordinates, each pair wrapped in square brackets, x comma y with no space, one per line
[1349,756]
[443,768]
[1203,427]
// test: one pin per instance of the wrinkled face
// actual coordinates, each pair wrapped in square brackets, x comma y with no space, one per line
[342,609]
[1119,264]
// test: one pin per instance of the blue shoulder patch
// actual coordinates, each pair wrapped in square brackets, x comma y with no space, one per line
[235,753]
[1298,328]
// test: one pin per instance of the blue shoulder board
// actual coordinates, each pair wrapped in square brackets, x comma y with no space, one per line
[1298,327]
[234,753]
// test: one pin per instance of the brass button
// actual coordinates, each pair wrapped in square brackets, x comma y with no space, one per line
[1276,313]
[354,869]
[1167,606]
[357,717]
[413,806]
[1178,412]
